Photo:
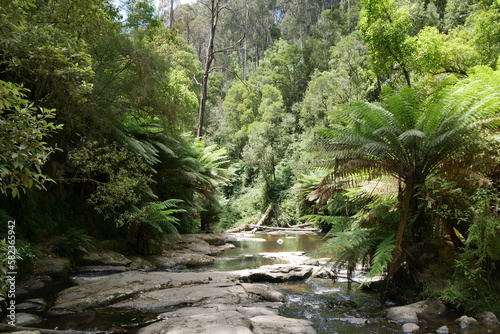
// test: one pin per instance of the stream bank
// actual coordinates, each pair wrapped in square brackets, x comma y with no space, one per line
[186,291]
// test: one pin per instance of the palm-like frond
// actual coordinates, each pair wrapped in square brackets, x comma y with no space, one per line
[161,215]
[382,256]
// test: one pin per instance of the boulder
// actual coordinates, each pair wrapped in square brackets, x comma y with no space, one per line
[35,304]
[428,307]
[52,266]
[105,258]
[466,322]
[214,293]
[410,328]
[443,330]
[403,314]
[488,317]
[276,273]
[111,289]
[224,322]
[272,324]
[26,319]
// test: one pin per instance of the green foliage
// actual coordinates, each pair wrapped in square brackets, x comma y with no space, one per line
[23,150]
[121,179]
[74,243]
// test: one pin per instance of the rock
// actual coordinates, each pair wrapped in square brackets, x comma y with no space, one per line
[355,321]
[52,266]
[36,304]
[225,322]
[139,263]
[261,292]
[276,273]
[443,330]
[218,293]
[102,269]
[26,319]
[489,317]
[402,314]
[466,322]
[410,328]
[272,324]
[105,258]
[428,307]
[111,289]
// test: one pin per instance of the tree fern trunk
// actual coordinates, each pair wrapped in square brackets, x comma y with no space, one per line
[405,214]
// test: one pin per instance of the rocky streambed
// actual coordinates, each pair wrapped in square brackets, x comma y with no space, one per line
[172,294]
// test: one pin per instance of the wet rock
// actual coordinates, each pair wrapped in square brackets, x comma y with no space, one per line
[402,314]
[52,266]
[489,317]
[272,324]
[261,292]
[410,328]
[443,330]
[466,322]
[355,321]
[105,258]
[106,290]
[276,273]
[139,263]
[216,293]
[36,304]
[428,307]
[102,269]
[230,322]
[26,319]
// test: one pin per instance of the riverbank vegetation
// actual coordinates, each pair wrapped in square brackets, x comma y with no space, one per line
[375,119]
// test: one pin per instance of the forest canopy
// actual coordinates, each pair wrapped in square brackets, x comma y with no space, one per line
[375,119]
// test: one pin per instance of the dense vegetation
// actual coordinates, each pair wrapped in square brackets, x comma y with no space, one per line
[375,119]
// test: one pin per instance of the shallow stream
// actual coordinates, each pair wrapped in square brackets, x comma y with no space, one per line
[331,306]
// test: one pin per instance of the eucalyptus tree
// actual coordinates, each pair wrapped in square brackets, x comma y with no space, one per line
[411,139]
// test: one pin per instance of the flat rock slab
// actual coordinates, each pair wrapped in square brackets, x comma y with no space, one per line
[230,322]
[219,293]
[111,289]
[276,273]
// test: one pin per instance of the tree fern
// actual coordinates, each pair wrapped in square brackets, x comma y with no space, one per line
[382,256]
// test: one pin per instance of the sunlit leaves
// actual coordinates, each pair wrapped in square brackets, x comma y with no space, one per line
[24,129]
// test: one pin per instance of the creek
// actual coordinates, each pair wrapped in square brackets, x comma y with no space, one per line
[333,307]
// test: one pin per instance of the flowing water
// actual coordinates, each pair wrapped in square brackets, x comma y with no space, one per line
[333,307]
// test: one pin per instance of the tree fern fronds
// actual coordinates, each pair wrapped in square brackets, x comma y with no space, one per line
[382,256]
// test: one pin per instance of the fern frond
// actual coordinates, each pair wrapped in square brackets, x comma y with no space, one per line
[382,256]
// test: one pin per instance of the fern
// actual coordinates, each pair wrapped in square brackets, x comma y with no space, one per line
[382,256]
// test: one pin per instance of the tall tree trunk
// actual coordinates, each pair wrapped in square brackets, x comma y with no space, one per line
[209,57]
[405,214]
[171,25]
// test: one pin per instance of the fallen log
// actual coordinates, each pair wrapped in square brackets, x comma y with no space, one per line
[312,229]
[262,219]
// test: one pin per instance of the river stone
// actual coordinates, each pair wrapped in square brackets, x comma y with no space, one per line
[36,304]
[139,263]
[410,328]
[272,324]
[443,330]
[106,290]
[52,266]
[230,322]
[26,319]
[466,322]
[489,317]
[276,273]
[105,258]
[402,314]
[428,306]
